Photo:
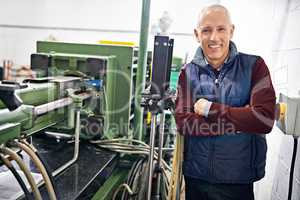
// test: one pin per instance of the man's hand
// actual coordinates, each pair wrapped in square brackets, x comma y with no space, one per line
[202,106]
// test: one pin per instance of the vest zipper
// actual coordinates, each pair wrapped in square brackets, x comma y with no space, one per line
[213,157]
[218,95]
[217,82]
[213,139]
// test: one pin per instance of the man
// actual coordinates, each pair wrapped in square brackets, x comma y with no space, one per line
[224,107]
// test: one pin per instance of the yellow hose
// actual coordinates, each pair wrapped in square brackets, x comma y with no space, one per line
[23,167]
[176,175]
[40,167]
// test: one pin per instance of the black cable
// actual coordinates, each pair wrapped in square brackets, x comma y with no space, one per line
[19,179]
[47,168]
[129,178]
[292,168]
[132,175]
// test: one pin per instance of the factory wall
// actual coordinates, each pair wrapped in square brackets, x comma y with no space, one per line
[272,32]
[269,28]
[22,23]
[286,58]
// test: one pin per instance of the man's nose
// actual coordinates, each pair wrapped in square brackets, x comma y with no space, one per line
[214,35]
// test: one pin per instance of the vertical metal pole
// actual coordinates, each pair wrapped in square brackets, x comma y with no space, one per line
[292,169]
[76,146]
[71,116]
[151,154]
[160,147]
[141,70]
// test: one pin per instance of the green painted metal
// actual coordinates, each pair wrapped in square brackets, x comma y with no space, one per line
[177,63]
[64,62]
[174,80]
[106,191]
[29,125]
[22,115]
[118,87]
[46,121]
[9,131]
[141,71]
[36,94]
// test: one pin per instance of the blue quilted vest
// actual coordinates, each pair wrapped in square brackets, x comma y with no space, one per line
[232,158]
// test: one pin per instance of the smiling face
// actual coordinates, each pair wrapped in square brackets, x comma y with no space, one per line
[214,33]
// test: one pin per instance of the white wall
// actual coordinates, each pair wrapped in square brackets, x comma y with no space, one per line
[113,14]
[270,28]
[286,59]
[18,43]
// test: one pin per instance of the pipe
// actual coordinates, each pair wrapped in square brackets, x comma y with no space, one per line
[40,167]
[151,155]
[141,70]
[23,167]
[36,94]
[45,108]
[290,192]
[21,115]
[58,135]
[17,176]
[159,159]
[76,146]
[25,113]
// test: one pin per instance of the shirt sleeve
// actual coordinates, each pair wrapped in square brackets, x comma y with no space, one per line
[257,117]
[187,121]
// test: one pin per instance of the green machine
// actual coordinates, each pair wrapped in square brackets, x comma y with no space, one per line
[87,93]
[81,90]
[84,91]
[113,66]
[177,63]
[35,106]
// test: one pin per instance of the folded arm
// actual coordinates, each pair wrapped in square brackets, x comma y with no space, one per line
[257,117]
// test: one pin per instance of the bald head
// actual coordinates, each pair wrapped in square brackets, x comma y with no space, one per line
[214,32]
[209,10]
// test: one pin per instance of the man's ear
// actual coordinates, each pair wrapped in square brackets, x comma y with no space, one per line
[196,34]
[231,31]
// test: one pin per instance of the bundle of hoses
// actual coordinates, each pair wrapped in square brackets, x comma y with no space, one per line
[135,147]
[17,176]
[29,149]
[171,185]
[25,170]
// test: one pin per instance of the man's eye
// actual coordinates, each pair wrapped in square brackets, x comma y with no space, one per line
[205,30]
[221,29]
